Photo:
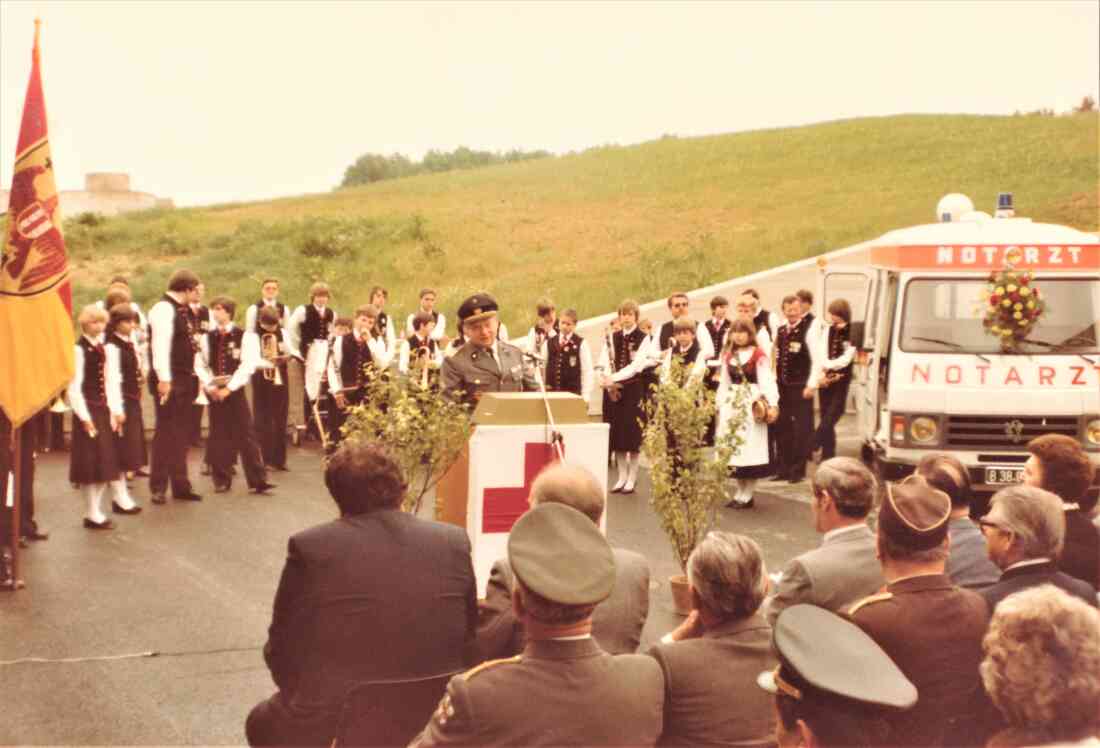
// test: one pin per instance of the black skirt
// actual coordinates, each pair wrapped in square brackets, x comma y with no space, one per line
[94,460]
[132,453]
[625,417]
[749,472]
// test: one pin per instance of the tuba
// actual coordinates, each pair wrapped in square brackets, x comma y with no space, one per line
[269,350]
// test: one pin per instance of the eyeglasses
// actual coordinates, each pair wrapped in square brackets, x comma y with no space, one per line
[679,304]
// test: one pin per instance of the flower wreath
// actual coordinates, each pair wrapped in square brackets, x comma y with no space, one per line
[1013,305]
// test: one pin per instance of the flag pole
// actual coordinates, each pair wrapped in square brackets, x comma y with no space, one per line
[16,520]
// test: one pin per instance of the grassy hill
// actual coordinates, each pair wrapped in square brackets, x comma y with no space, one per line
[593,228]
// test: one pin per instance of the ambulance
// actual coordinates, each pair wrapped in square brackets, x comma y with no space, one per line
[932,376]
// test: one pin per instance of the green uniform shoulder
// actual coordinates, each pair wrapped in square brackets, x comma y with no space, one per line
[488,664]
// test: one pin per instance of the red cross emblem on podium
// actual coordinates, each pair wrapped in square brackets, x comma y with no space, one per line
[503,506]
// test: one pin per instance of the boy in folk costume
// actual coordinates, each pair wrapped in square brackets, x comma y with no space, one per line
[310,324]
[745,365]
[625,356]
[420,350]
[568,359]
[383,328]
[269,299]
[356,359]
[270,393]
[834,376]
[716,328]
[232,355]
[687,351]
[546,326]
[200,321]
[132,452]
[95,395]
[427,305]
[796,357]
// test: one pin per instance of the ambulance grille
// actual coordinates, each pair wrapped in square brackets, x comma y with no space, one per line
[1001,432]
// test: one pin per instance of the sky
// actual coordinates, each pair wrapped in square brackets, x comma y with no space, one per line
[208,102]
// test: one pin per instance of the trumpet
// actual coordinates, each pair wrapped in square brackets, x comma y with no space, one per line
[424,359]
[269,350]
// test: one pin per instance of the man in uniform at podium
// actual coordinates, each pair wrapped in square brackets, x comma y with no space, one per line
[484,363]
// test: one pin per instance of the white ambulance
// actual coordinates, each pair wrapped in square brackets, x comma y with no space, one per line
[931,377]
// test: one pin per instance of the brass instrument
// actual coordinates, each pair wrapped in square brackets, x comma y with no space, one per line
[615,391]
[269,351]
[424,361]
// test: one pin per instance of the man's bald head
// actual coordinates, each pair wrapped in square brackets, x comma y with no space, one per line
[570,485]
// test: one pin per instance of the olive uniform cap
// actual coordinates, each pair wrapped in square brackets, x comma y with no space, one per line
[479,306]
[915,515]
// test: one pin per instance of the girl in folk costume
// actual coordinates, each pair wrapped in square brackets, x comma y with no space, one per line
[95,395]
[123,351]
[624,355]
[834,377]
[745,365]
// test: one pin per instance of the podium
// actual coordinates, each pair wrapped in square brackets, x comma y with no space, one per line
[486,490]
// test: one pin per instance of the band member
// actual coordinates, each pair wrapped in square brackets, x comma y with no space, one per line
[95,395]
[678,305]
[270,393]
[269,297]
[834,377]
[173,352]
[546,326]
[122,352]
[620,364]
[795,353]
[427,305]
[420,350]
[233,355]
[28,527]
[745,365]
[384,326]
[687,351]
[716,327]
[356,359]
[747,309]
[483,363]
[308,324]
[200,318]
[568,359]
[761,317]
[140,334]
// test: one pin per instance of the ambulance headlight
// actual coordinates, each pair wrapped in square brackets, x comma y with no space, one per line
[1092,433]
[924,430]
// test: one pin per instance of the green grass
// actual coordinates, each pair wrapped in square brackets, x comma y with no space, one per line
[593,228]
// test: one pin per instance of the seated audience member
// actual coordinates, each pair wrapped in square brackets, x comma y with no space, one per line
[967,563]
[1024,532]
[564,689]
[931,628]
[374,595]
[834,685]
[617,622]
[844,568]
[719,650]
[1059,464]
[1042,669]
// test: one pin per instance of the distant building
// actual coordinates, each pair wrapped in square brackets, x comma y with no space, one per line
[108,194]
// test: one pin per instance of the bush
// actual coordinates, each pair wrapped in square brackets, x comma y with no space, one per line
[375,167]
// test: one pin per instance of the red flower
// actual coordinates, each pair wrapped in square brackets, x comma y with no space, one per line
[1025,280]
[995,300]
[1015,298]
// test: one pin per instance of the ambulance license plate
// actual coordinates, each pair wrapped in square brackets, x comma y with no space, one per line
[1000,476]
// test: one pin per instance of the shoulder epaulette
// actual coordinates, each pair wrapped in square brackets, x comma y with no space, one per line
[868,600]
[488,664]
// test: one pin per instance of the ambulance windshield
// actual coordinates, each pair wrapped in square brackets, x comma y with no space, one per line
[944,315]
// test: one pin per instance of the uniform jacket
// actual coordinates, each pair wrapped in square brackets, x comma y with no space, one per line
[841,571]
[617,622]
[558,692]
[471,371]
[968,564]
[381,595]
[1081,553]
[1023,577]
[933,631]
[711,698]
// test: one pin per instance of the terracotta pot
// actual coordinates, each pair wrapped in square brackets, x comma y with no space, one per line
[681,594]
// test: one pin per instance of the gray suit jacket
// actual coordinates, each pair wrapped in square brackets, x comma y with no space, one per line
[841,571]
[471,371]
[968,565]
[617,622]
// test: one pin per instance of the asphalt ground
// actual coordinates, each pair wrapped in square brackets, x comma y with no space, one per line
[194,583]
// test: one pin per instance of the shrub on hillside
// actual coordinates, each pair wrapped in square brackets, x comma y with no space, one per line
[375,167]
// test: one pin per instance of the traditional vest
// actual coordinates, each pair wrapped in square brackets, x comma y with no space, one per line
[94,386]
[761,322]
[838,338]
[717,334]
[686,359]
[128,364]
[626,347]
[744,373]
[181,354]
[279,306]
[355,359]
[416,343]
[792,354]
[316,326]
[225,351]
[665,337]
[563,364]
[200,318]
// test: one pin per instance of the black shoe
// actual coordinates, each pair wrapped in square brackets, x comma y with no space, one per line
[189,496]
[280,468]
[37,534]
[135,509]
[735,504]
[104,525]
[263,488]
[159,498]
[222,487]
[796,477]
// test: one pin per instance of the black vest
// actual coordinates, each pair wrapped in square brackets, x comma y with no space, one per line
[355,358]
[717,335]
[315,327]
[742,373]
[838,339]
[792,354]
[128,364]
[225,351]
[664,339]
[94,386]
[279,307]
[626,347]
[278,333]
[563,364]
[686,359]
[181,356]
[416,344]
[761,322]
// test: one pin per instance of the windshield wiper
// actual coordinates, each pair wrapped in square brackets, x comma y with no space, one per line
[1058,347]
[950,344]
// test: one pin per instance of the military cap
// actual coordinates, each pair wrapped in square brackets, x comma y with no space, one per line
[914,514]
[479,306]
[850,665]
[559,554]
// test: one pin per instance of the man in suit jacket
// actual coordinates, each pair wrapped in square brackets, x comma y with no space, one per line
[484,363]
[563,689]
[375,595]
[617,622]
[712,660]
[1024,532]
[844,568]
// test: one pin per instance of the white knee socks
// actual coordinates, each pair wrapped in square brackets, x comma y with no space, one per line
[121,494]
[93,493]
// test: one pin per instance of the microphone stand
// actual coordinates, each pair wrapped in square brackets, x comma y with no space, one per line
[556,438]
